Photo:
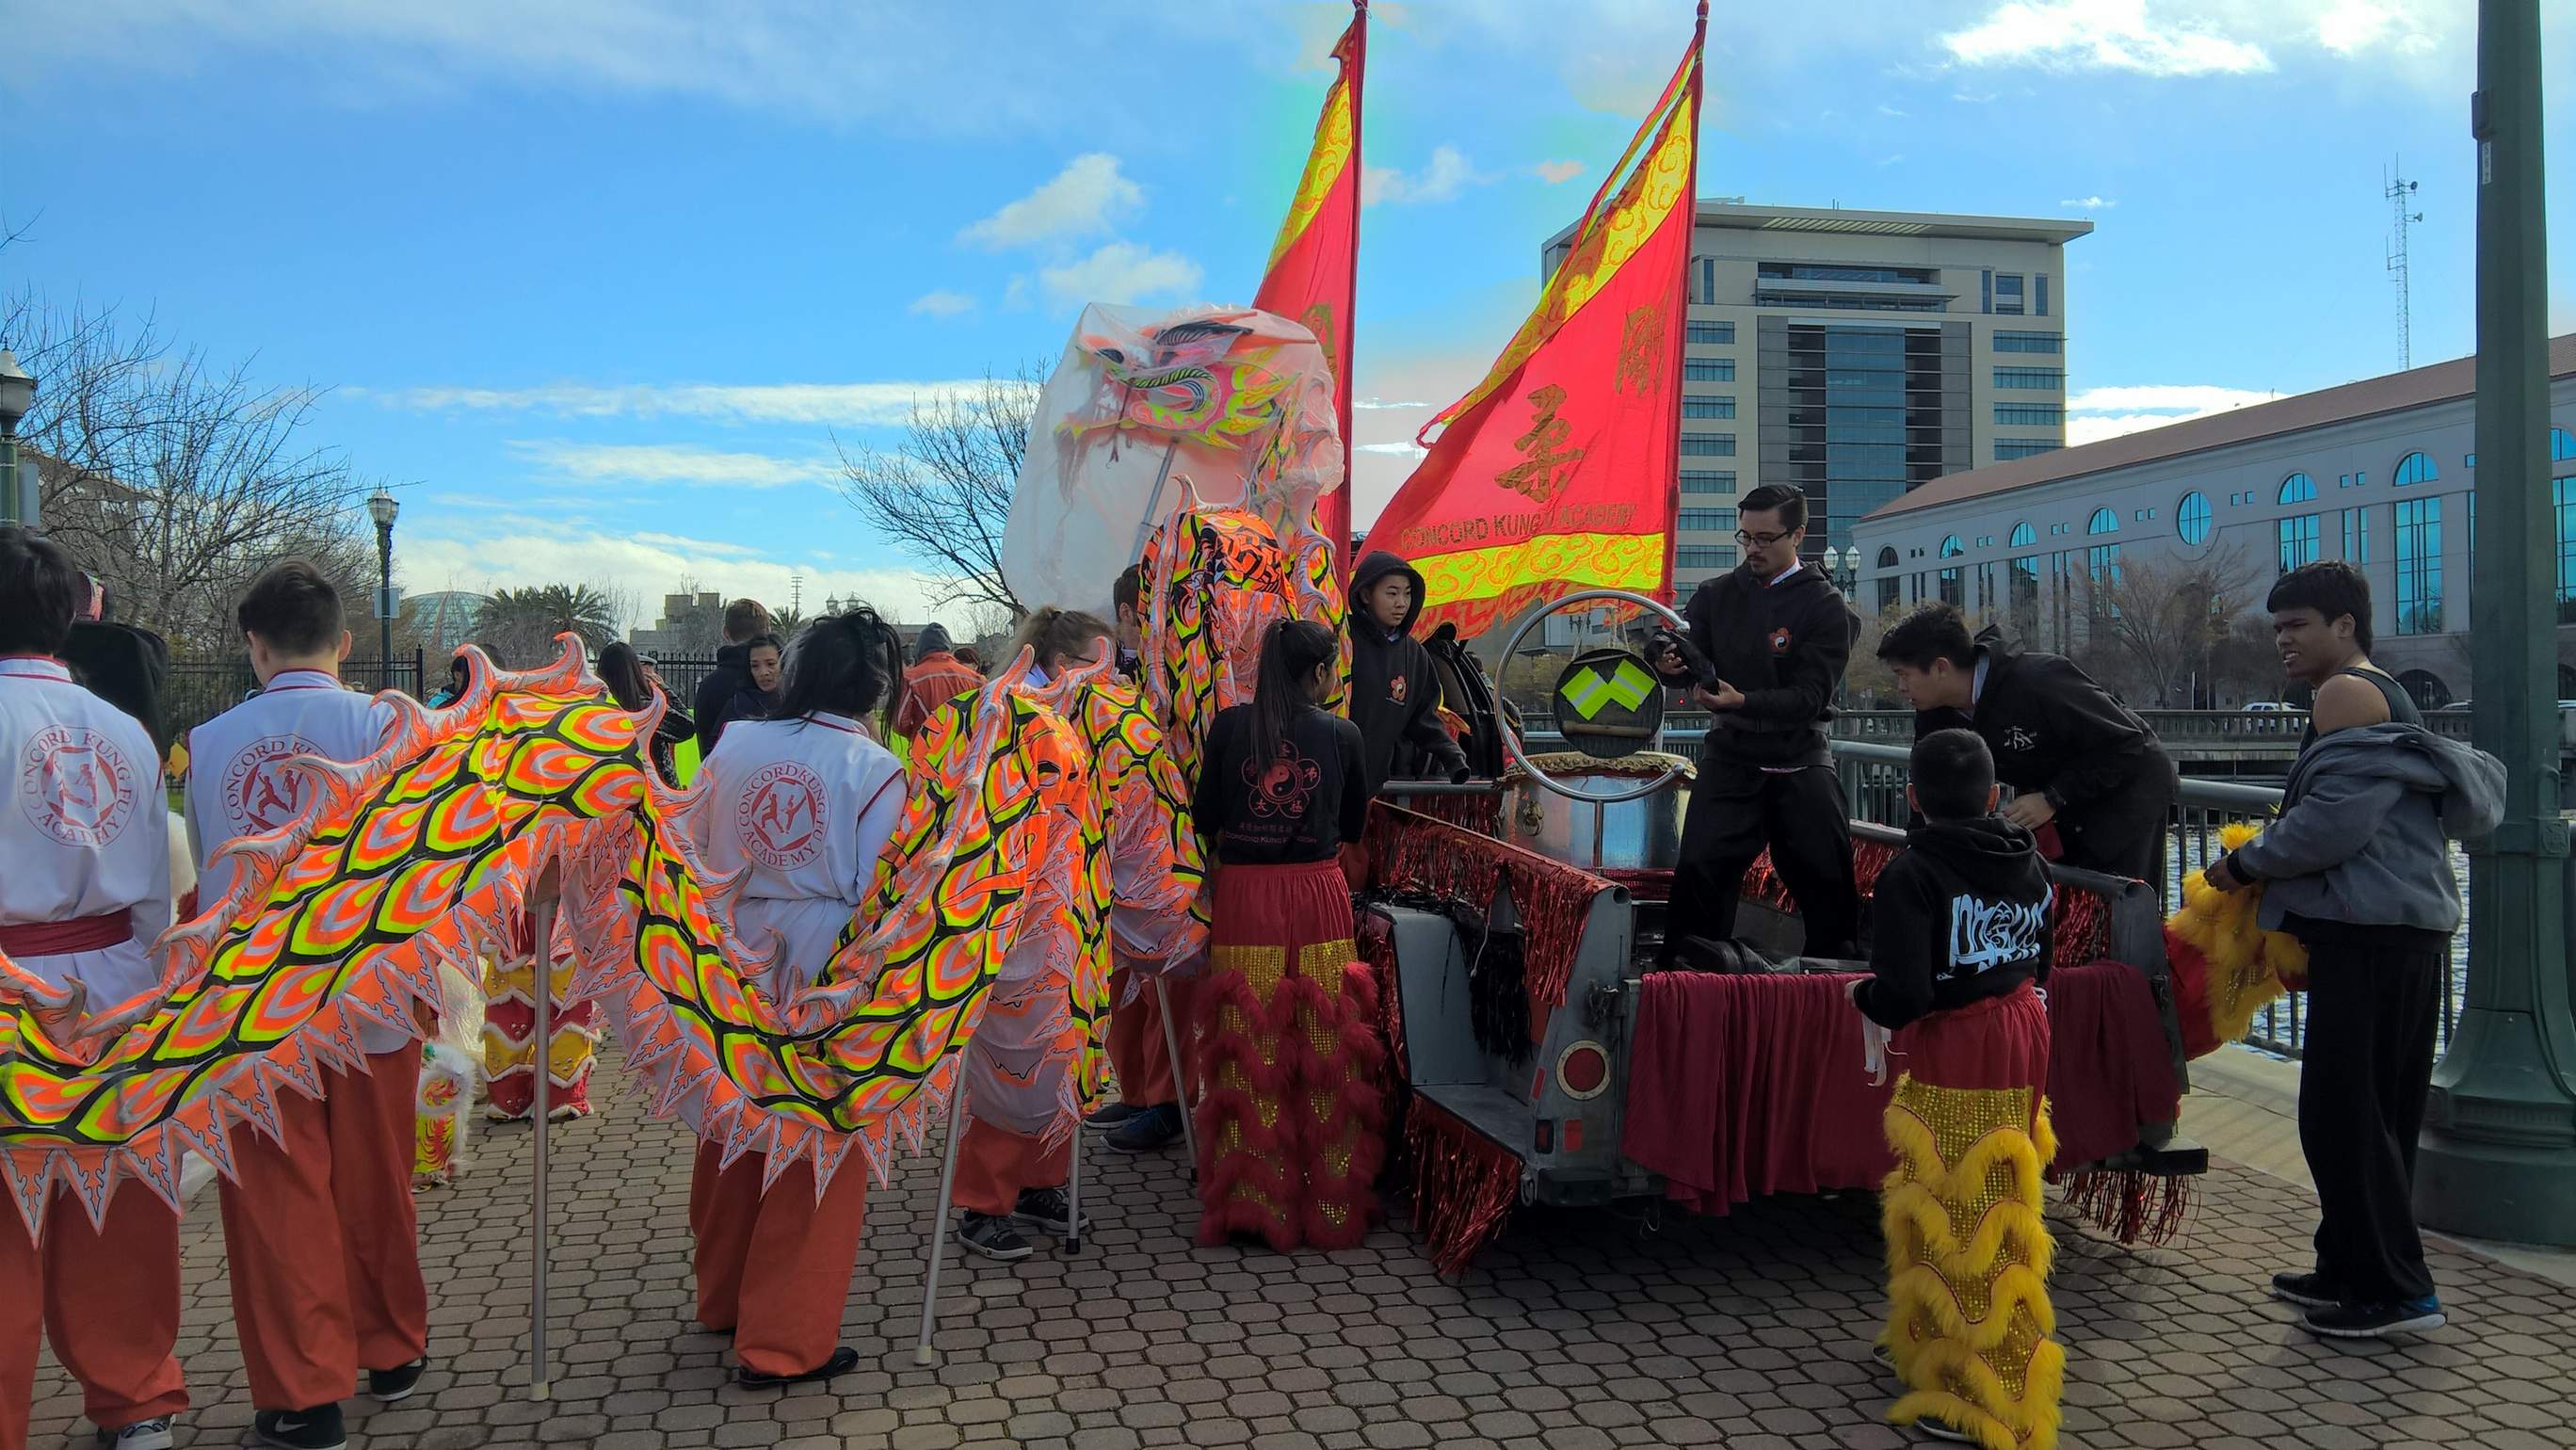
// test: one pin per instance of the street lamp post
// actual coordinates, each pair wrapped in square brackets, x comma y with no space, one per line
[18,501]
[2498,1154]
[382,506]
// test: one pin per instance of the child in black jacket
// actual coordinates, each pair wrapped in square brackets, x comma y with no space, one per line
[1395,697]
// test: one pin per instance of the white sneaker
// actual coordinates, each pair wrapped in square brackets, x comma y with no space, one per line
[141,1435]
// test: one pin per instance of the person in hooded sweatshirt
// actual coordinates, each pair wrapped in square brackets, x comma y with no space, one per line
[745,620]
[935,678]
[2357,866]
[2078,761]
[1395,697]
[1960,937]
[1773,636]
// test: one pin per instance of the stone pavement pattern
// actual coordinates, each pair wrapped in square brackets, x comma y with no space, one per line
[1579,1330]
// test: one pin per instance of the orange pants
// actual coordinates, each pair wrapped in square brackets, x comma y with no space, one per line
[323,1239]
[775,1267]
[994,1164]
[1139,1054]
[109,1300]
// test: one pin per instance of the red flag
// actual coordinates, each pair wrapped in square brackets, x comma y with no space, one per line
[1560,471]
[1314,266]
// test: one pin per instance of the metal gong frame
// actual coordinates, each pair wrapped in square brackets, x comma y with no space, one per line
[1511,740]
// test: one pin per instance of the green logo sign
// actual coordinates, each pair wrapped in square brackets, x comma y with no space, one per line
[1621,683]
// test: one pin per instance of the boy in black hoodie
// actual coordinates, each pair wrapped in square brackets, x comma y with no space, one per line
[1395,697]
[2075,757]
[744,621]
[1775,635]
[1960,935]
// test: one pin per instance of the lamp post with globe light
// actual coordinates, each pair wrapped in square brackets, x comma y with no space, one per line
[382,506]
[18,501]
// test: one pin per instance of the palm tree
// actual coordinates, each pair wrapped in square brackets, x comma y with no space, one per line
[523,623]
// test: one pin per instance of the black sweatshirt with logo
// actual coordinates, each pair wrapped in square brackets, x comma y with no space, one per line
[1395,696]
[1784,645]
[1961,915]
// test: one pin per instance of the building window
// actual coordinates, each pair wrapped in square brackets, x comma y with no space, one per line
[2008,293]
[2416,468]
[2356,535]
[2021,537]
[1712,334]
[2298,535]
[1707,278]
[1708,521]
[1708,480]
[2029,342]
[1986,587]
[2029,415]
[2419,566]
[1708,445]
[2562,493]
[2298,488]
[2562,447]
[1951,594]
[2191,518]
[1704,556]
[2103,522]
[2051,380]
[1708,369]
[2039,293]
[1723,407]
[2008,449]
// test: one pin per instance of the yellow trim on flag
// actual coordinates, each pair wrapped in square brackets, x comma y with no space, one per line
[1578,561]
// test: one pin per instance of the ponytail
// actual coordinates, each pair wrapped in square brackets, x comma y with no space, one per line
[1291,651]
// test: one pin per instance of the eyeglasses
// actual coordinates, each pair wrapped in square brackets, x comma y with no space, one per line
[1760,541]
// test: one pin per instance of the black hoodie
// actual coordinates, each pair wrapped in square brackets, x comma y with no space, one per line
[1395,697]
[1959,916]
[730,677]
[2054,731]
[1784,645]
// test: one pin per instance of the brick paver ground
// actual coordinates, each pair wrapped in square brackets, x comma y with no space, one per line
[1578,1330]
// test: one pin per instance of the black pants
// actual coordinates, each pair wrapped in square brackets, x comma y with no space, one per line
[1735,811]
[2368,1060]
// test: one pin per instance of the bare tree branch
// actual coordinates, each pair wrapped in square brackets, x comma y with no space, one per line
[943,494]
[2159,622]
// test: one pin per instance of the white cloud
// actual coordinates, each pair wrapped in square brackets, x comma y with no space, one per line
[827,403]
[2352,27]
[2089,203]
[2098,413]
[2121,35]
[1447,175]
[1400,450]
[1088,197]
[675,463]
[1556,172]
[1365,404]
[942,303]
[1891,111]
[1120,272]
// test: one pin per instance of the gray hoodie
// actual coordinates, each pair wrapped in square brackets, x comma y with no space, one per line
[2364,829]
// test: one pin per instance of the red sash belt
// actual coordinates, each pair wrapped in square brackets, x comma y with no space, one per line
[61,938]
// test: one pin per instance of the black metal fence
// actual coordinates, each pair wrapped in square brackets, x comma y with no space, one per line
[199,690]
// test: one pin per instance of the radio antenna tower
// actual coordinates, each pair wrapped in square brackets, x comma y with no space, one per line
[796,592]
[2400,193]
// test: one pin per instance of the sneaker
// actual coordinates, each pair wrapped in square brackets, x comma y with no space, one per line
[1048,1210]
[2308,1291]
[1944,1430]
[1885,1356]
[991,1235]
[1151,1131]
[1110,1117]
[152,1434]
[389,1385]
[843,1360]
[2375,1321]
[314,1429]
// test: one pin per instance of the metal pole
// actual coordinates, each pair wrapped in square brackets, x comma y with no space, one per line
[384,607]
[2497,1158]
[1180,1078]
[922,1353]
[542,922]
[12,509]
[1073,1196]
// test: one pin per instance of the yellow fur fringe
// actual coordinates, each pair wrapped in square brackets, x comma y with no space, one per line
[2249,968]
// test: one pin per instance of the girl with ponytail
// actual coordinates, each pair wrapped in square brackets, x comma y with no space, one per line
[1289,1130]
[803,802]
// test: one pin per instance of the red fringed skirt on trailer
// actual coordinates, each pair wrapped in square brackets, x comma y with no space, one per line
[1291,1127]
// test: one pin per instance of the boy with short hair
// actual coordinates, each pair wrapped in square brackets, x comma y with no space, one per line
[84,893]
[745,620]
[319,1227]
[1961,934]
[2357,867]
[1395,696]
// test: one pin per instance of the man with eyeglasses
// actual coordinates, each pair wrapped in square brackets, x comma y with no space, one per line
[1773,636]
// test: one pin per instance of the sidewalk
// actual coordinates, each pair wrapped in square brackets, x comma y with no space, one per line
[1574,1333]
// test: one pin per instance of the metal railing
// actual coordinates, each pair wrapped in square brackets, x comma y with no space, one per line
[2255,728]
[199,690]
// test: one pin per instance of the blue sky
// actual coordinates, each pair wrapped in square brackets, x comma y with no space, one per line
[599,286]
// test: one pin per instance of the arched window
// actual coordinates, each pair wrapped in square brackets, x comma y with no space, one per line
[1953,589]
[2191,517]
[1887,557]
[1951,548]
[2103,522]
[2416,468]
[2023,536]
[2299,488]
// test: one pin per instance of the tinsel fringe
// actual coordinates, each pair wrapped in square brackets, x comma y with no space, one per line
[2132,1206]
[1464,1186]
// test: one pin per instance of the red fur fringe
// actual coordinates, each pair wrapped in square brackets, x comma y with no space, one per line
[2131,1206]
[1464,1186]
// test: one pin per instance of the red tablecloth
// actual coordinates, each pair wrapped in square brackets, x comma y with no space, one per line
[1746,1085]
